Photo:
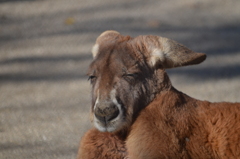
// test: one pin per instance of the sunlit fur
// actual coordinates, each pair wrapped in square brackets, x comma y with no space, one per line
[155,120]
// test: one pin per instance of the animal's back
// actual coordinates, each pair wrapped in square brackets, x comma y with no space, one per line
[218,128]
[177,126]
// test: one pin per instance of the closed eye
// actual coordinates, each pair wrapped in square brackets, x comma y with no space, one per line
[92,78]
[130,77]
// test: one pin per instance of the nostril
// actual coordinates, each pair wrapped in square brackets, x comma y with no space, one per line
[107,114]
[100,117]
[113,115]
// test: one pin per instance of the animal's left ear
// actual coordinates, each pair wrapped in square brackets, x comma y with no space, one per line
[168,53]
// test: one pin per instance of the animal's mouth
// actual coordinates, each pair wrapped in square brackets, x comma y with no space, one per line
[109,126]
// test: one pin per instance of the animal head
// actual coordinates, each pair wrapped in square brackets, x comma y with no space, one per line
[127,73]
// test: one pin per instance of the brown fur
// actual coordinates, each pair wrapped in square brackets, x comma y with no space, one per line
[157,121]
[177,126]
[104,145]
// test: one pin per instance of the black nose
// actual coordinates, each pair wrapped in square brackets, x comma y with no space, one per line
[106,113]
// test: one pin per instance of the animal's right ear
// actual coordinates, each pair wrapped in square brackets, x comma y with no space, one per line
[107,36]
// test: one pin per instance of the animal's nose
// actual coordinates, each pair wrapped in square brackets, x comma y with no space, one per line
[107,113]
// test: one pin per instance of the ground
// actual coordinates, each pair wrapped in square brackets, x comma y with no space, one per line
[45,51]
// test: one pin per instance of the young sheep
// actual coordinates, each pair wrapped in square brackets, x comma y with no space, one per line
[138,114]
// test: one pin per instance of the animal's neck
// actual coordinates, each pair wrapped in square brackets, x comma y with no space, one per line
[171,98]
[161,83]
[176,109]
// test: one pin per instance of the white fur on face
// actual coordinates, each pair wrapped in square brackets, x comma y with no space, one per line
[97,100]
[95,50]
[114,124]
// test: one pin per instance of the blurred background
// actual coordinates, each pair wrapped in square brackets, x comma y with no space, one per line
[45,51]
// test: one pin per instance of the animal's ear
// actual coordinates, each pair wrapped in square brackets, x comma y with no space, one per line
[168,53]
[107,36]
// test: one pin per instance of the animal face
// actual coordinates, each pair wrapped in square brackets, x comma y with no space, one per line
[126,74]
[119,84]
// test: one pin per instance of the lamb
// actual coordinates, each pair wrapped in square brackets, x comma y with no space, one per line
[138,114]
